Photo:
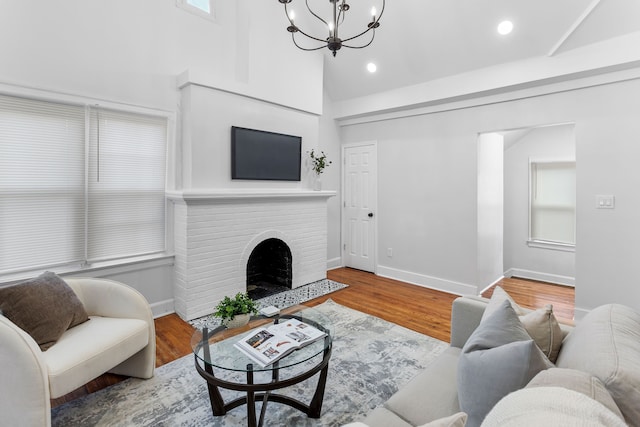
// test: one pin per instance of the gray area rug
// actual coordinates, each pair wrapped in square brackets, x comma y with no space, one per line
[282,300]
[371,359]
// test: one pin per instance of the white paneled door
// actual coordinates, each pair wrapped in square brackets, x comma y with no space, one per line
[359,206]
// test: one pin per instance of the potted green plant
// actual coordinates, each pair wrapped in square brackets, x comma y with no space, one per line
[236,311]
[318,163]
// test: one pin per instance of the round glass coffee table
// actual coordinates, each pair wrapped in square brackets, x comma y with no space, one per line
[215,350]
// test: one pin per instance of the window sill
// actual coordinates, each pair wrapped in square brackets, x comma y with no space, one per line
[556,246]
[103,268]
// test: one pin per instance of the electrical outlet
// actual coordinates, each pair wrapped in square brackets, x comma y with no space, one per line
[390,252]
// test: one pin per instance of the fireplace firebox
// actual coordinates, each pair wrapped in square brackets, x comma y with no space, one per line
[269,269]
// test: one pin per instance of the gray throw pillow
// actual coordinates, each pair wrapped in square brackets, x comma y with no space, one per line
[498,358]
[44,307]
[541,324]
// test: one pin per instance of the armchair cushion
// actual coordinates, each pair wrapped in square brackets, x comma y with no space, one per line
[44,307]
[85,352]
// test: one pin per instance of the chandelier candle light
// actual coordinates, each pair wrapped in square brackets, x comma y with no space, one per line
[333,42]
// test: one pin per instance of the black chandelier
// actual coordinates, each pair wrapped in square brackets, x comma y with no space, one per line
[333,42]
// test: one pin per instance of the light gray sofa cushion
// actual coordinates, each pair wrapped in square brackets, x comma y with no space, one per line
[430,395]
[382,417]
[500,357]
[606,343]
[579,381]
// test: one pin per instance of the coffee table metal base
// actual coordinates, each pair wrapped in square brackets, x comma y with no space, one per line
[263,391]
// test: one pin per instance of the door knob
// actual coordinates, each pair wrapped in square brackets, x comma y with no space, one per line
[370,215]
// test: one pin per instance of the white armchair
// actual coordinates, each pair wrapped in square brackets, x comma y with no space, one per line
[118,338]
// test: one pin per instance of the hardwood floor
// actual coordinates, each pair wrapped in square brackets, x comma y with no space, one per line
[423,310]
[533,294]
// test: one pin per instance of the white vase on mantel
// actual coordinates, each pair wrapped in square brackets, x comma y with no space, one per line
[317,183]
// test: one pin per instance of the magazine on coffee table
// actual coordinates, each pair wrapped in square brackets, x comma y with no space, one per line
[271,343]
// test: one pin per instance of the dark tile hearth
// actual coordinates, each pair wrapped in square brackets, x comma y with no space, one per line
[281,299]
[261,290]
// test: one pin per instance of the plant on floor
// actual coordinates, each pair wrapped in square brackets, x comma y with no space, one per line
[319,162]
[240,304]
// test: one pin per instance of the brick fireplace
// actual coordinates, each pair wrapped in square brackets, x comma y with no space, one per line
[216,233]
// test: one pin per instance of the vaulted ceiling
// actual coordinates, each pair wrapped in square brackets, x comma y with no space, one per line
[423,40]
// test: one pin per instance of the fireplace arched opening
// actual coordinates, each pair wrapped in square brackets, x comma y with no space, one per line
[269,269]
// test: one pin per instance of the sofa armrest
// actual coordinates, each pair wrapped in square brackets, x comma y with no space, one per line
[108,298]
[24,389]
[466,313]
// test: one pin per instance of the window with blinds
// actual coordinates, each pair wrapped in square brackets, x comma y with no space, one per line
[553,202]
[78,184]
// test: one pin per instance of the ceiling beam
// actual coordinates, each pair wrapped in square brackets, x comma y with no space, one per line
[574,27]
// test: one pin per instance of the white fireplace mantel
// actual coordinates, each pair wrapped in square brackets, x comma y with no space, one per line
[224,195]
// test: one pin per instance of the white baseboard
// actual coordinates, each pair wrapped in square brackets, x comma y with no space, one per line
[162,308]
[542,277]
[334,263]
[490,285]
[430,282]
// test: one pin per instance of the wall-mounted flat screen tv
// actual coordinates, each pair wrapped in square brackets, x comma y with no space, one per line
[261,155]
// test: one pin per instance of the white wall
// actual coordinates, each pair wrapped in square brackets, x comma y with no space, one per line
[329,141]
[154,280]
[426,197]
[490,208]
[131,52]
[207,117]
[543,143]
[428,181]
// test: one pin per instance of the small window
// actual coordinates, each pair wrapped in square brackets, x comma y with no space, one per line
[552,203]
[203,8]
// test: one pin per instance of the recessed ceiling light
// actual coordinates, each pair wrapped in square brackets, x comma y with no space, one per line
[371,67]
[505,27]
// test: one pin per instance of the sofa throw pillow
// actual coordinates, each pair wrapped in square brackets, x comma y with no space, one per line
[579,381]
[498,296]
[541,324]
[456,420]
[498,358]
[544,328]
[44,307]
[550,406]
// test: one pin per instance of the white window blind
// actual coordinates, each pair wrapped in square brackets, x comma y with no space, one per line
[553,202]
[67,196]
[126,215]
[42,153]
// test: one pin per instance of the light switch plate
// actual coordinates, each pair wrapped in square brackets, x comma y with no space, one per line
[605,202]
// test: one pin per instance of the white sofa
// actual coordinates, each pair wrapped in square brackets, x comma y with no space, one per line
[118,338]
[603,349]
